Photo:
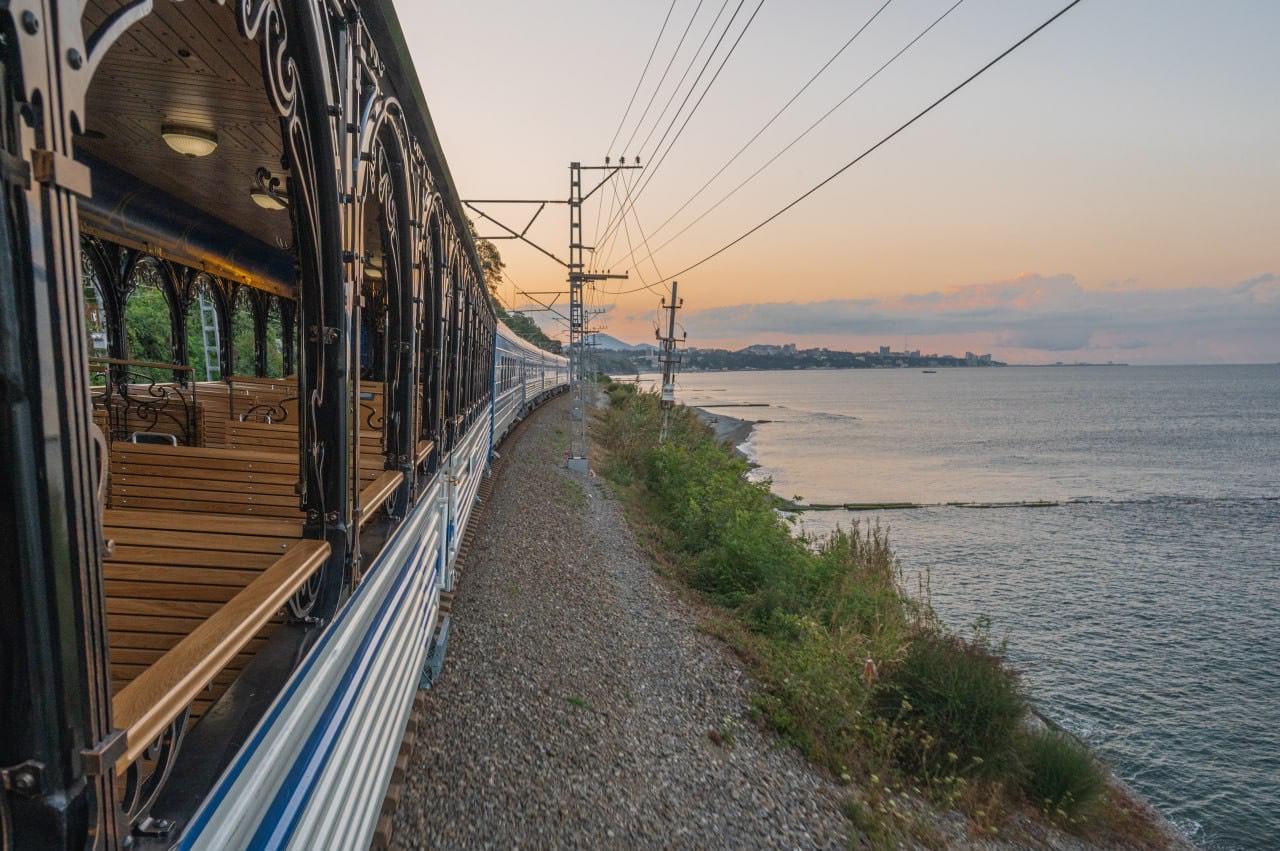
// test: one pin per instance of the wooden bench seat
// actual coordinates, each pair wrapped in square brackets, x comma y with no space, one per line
[190,598]
[147,414]
[205,480]
[375,494]
[224,401]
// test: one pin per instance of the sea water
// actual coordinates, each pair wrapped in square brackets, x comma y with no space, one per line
[1143,608]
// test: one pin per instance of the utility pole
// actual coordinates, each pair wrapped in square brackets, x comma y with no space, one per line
[669,357]
[578,278]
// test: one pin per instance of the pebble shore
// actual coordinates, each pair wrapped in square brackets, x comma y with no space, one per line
[580,706]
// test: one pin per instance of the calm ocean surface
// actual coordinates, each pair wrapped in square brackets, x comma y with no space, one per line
[1145,615]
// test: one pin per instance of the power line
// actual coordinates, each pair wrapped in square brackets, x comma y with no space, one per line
[810,128]
[692,59]
[623,120]
[860,157]
[611,221]
[653,167]
[665,72]
[639,272]
[813,126]
[775,117]
[645,71]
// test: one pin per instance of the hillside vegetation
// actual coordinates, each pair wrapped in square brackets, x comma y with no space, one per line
[852,669]
[526,328]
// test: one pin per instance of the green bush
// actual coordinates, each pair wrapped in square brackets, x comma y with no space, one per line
[1059,773]
[809,615]
[956,704]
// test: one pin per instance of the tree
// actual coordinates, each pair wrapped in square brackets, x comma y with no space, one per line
[528,329]
[491,264]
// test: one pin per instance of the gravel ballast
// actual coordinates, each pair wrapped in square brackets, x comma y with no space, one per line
[580,706]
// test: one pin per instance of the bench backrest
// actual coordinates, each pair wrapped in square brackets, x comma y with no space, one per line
[283,437]
[204,480]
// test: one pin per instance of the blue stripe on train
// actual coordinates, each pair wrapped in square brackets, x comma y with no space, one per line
[228,780]
[290,802]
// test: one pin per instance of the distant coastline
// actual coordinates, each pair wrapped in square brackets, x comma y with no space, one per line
[1061,363]
[786,357]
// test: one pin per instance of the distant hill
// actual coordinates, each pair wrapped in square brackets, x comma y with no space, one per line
[613,344]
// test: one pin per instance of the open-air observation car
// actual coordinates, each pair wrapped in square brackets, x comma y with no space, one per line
[250,379]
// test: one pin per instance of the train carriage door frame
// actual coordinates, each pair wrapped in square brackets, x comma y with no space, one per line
[388,165]
[432,339]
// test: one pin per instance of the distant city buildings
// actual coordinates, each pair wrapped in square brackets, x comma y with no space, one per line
[762,356]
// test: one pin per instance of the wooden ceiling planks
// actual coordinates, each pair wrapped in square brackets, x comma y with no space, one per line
[186,63]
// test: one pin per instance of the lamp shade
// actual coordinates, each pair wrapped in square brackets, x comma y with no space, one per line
[266,200]
[189,141]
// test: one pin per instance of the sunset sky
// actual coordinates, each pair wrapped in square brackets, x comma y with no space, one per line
[1110,191]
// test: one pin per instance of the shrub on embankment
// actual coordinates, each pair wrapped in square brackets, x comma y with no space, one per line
[853,669]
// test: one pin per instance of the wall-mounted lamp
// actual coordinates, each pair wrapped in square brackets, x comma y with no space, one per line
[266,200]
[267,194]
[189,141]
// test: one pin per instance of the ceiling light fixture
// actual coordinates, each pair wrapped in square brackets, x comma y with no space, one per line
[189,141]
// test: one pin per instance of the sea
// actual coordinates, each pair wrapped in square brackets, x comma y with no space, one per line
[1142,605]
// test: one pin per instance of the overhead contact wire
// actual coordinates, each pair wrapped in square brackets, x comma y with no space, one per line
[860,157]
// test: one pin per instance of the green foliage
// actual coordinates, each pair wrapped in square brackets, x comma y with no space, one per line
[855,671]
[1060,775]
[149,335]
[147,329]
[526,328]
[958,704]
[491,263]
[242,339]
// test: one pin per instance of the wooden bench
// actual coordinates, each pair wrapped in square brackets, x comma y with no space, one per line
[375,494]
[274,436]
[259,398]
[423,451]
[205,480]
[190,598]
[224,401]
[241,482]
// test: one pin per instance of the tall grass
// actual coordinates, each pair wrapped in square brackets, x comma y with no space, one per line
[854,670]
[1061,776]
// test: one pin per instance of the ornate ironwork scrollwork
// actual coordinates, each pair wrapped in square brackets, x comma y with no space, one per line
[146,776]
[304,599]
[269,412]
[269,185]
[133,400]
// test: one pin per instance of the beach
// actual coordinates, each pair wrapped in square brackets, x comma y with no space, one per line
[731,430]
